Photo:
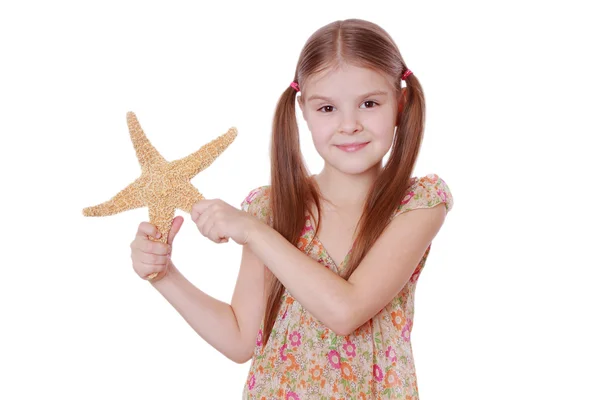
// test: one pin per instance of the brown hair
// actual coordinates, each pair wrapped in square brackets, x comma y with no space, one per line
[362,44]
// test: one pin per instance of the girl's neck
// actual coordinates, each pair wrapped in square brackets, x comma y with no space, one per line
[346,191]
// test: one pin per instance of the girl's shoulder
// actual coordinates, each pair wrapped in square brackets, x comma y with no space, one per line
[426,192]
[256,202]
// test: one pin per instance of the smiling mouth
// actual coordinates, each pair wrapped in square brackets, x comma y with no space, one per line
[352,144]
[352,147]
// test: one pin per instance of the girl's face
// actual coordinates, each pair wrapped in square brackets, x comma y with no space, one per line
[346,106]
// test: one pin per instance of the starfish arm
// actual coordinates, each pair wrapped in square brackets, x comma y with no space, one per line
[191,165]
[161,216]
[188,195]
[127,199]
[145,151]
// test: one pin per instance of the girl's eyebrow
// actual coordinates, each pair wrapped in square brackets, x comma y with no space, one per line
[373,93]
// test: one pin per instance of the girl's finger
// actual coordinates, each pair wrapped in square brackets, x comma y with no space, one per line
[195,214]
[147,229]
[215,235]
[153,259]
[149,268]
[177,222]
[148,246]
[202,222]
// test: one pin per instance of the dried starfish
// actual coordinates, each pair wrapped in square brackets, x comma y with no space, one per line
[163,186]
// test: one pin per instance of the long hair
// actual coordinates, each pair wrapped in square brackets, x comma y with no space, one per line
[362,44]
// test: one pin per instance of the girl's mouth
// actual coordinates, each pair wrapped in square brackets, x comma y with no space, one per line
[352,147]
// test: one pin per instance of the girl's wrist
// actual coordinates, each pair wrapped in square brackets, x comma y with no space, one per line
[254,231]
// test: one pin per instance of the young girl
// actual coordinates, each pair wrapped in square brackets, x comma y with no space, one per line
[324,301]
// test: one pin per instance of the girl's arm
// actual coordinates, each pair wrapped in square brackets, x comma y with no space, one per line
[344,305]
[321,291]
[231,329]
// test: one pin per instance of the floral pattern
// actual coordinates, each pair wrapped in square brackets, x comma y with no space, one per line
[304,359]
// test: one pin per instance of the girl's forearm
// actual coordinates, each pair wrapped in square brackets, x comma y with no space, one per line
[211,318]
[321,291]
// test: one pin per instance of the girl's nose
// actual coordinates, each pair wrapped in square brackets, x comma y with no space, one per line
[350,123]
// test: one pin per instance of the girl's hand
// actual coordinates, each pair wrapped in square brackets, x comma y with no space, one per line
[149,256]
[220,221]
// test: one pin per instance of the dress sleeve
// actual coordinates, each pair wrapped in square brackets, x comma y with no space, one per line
[256,203]
[426,192]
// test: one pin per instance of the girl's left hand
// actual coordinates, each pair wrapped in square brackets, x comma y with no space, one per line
[220,221]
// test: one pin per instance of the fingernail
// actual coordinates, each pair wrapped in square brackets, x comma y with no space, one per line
[157,235]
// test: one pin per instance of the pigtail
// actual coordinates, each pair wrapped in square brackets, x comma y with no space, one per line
[291,190]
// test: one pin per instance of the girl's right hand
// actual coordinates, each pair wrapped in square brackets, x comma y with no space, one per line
[149,256]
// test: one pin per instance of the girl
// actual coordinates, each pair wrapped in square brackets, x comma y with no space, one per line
[324,301]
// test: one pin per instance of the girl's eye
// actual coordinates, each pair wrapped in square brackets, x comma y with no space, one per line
[368,101]
[323,108]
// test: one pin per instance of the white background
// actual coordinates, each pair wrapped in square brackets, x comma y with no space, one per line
[507,305]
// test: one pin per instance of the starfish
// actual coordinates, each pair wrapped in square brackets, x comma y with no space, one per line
[163,186]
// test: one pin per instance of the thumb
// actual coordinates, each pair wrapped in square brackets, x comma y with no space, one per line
[177,222]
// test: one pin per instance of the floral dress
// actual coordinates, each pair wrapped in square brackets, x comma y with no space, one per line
[304,359]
